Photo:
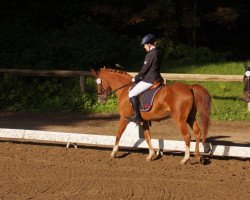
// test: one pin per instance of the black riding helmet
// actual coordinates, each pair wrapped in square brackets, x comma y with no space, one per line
[148,39]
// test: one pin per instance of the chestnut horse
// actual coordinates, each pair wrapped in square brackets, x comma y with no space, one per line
[180,100]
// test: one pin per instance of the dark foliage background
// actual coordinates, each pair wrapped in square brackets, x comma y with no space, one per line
[84,34]
[81,34]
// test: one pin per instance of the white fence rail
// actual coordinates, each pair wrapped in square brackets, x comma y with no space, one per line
[83,74]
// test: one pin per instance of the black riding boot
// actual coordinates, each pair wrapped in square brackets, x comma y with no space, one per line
[135,105]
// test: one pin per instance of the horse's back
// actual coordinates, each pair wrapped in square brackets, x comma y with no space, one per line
[177,90]
[178,86]
[178,94]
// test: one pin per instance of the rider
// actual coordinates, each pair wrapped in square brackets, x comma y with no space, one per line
[149,73]
[246,94]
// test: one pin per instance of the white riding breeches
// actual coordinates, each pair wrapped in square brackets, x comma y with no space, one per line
[139,88]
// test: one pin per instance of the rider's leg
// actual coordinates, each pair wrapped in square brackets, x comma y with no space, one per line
[135,105]
[133,97]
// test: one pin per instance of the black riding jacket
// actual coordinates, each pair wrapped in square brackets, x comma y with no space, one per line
[150,71]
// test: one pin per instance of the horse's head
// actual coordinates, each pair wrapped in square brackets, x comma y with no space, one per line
[103,87]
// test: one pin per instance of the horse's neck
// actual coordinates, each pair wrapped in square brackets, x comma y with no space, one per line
[117,80]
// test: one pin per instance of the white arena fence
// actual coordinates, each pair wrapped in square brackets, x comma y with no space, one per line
[131,139]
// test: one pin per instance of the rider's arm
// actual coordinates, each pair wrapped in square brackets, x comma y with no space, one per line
[145,68]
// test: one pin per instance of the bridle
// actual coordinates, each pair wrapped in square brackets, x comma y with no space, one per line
[102,89]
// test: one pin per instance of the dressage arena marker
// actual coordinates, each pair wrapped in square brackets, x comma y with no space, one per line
[131,138]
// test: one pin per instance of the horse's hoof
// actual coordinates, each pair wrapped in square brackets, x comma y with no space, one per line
[150,157]
[207,148]
[184,161]
[112,156]
[159,153]
[201,160]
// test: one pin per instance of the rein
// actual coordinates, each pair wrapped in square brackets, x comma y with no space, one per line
[119,88]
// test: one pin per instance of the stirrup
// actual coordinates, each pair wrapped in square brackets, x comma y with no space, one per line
[133,119]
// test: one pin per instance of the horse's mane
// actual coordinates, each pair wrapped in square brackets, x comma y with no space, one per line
[115,70]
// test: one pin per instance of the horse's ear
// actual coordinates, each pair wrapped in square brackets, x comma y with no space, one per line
[94,72]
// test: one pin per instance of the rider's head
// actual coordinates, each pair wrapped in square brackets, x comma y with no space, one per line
[148,41]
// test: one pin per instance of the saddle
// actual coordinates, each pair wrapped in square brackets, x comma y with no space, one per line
[146,98]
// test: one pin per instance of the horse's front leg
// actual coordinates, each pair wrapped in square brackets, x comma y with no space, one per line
[122,125]
[147,136]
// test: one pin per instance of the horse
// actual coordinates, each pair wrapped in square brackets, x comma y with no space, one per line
[178,100]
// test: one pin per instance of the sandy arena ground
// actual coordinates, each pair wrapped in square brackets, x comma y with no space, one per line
[46,171]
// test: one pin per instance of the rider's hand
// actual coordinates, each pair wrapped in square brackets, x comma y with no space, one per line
[133,79]
[136,78]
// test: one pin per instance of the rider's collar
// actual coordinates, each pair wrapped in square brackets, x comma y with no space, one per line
[152,49]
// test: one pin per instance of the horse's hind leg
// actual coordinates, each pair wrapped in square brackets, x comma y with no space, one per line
[183,128]
[122,125]
[147,136]
[187,139]
[197,133]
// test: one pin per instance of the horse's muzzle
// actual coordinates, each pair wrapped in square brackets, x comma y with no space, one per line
[102,98]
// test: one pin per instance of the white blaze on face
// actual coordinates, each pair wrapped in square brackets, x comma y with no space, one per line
[247,73]
[98,81]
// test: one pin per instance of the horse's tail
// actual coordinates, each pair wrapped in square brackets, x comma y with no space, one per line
[202,103]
